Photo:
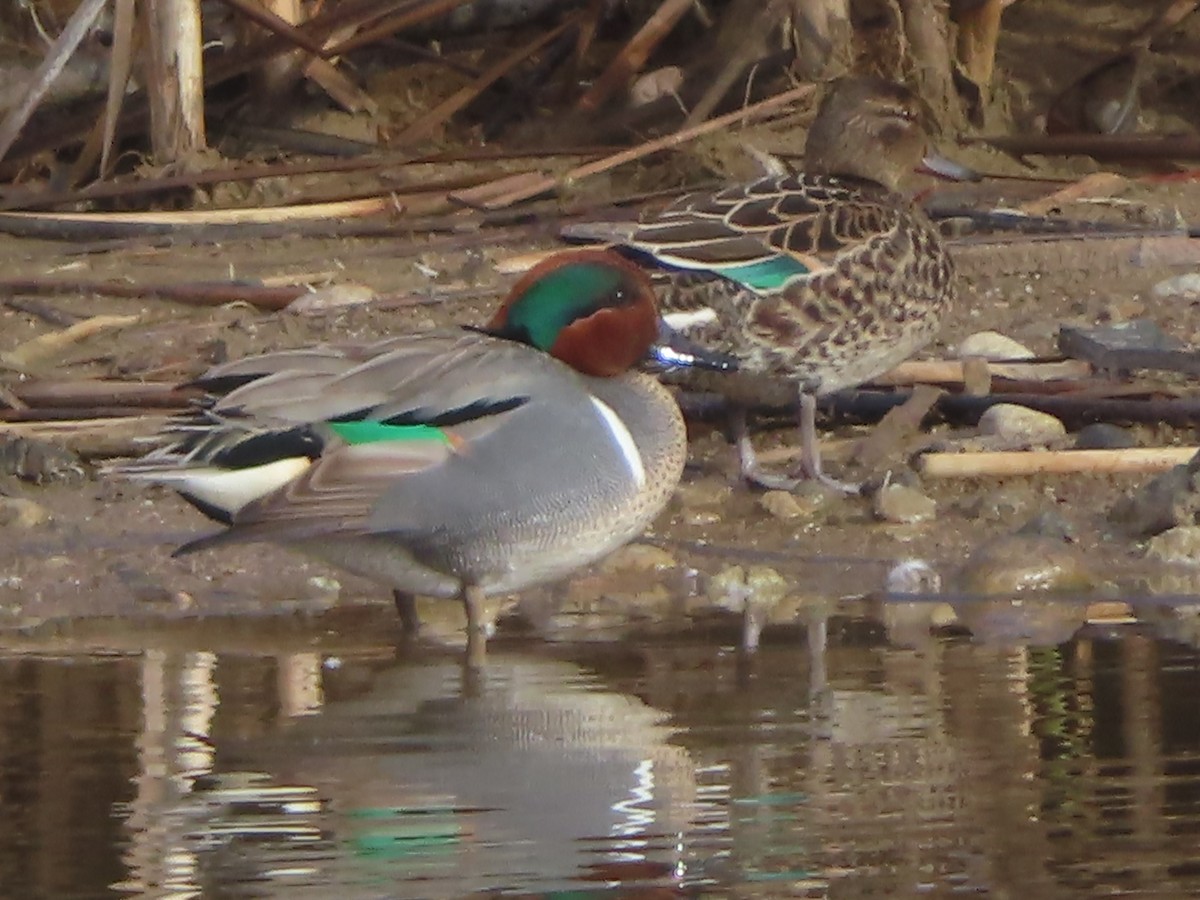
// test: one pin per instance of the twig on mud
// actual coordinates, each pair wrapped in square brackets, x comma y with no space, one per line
[51,315]
[34,414]
[1147,147]
[104,392]
[675,139]
[1074,410]
[93,438]
[132,186]
[1060,462]
[194,294]
[896,428]
[46,345]
[950,371]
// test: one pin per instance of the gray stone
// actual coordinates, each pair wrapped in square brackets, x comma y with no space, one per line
[900,503]
[1103,436]
[993,346]
[1180,544]
[1171,499]
[1186,286]
[1014,425]
[17,512]
[1018,563]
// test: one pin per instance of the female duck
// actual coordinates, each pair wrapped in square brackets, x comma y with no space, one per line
[821,280]
[459,463]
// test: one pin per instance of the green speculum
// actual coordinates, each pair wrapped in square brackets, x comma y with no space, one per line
[373,432]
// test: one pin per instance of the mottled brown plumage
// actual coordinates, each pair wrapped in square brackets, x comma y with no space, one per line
[816,281]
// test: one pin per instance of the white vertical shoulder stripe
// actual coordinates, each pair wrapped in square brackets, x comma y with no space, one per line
[624,441]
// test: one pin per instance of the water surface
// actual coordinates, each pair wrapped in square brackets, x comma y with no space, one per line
[259,760]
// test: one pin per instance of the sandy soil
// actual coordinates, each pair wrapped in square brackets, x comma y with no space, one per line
[105,549]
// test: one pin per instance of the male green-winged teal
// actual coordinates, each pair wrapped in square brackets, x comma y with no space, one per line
[812,282]
[456,463]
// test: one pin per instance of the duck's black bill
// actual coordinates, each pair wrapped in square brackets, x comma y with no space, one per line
[674,351]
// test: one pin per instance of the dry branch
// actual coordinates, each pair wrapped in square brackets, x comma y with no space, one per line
[675,139]
[93,438]
[52,65]
[175,72]
[633,56]
[201,294]
[1059,462]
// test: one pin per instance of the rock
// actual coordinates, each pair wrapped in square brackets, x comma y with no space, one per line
[781,505]
[733,586]
[1173,498]
[1185,286]
[1176,545]
[912,576]
[333,297]
[17,512]
[1103,436]
[1018,563]
[1048,523]
[1004,503]
[140,585]
[1015,425]
[805,502]
[639,557]
[900,503]
[325,588]
[993,346]
[703,502]
[38,462]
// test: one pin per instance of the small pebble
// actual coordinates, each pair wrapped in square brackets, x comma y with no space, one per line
[1021,425]
[322,587]
[993,346]
[639,557]
[1176,545]
[1103,436]
[781,505]
[912,576]
[17,512]
[329,298]
[37,461]
[1187,286]
[900,503]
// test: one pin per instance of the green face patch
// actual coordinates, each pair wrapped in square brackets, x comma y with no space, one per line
[560,298]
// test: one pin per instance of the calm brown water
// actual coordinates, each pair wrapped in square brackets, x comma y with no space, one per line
[262,760]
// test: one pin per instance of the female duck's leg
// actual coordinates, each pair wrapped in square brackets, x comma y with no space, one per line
[406,605]
[810,453]
[748,466]
[810,448]
[472,598]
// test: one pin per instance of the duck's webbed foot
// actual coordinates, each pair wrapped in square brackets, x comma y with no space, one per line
[809,468]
